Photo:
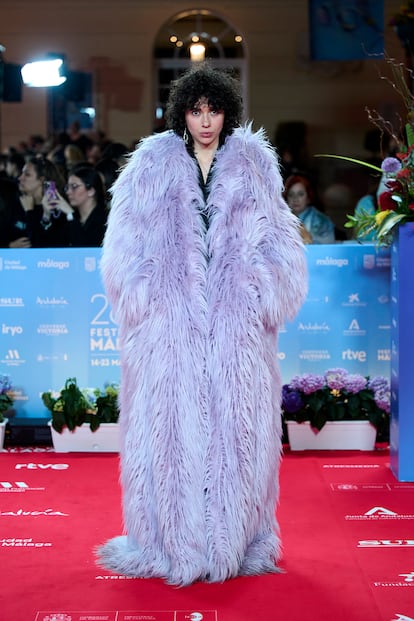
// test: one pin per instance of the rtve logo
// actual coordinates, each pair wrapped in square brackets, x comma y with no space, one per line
[351,354]
[31,466]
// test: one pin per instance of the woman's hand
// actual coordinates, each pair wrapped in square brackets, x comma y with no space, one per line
[21,242]
[58,204]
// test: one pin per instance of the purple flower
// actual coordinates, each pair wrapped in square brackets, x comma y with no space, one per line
[307,383]
[5,384]
[335,378]
[291,400]
[354,383]
[378,383]
[382,399]
[391,165]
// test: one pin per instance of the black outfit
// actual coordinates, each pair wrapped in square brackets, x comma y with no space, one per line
[90,234]
[52,233]
[13,217]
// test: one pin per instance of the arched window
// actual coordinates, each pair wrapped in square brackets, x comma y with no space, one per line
[189,37]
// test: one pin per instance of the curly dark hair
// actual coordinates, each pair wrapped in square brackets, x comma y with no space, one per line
[218,86]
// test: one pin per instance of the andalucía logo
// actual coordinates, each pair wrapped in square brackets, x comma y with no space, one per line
[23,513]
[380,513]
[406,581]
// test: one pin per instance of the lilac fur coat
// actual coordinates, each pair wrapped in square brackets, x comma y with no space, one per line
[198,316]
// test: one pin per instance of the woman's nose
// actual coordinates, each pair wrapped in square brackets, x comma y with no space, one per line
[205,120]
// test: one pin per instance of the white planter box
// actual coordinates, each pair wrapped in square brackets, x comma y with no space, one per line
[335,435]
[104,440]
[3,432]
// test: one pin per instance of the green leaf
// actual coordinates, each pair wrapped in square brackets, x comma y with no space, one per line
[351,159]
[317,420]
[58,421]
[410,134]
[390,222]
[94,424]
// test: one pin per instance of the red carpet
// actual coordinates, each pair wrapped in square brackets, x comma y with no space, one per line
[347,526]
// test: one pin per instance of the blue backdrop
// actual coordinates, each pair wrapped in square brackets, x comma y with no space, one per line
[56,322]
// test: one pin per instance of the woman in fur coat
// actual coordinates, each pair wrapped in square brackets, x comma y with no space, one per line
[202,263]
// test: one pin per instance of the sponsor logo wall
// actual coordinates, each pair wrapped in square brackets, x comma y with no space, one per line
[56,322]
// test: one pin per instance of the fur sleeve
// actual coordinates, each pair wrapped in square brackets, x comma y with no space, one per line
[283,269]
[124,270]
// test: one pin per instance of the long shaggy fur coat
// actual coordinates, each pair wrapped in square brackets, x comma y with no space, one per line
[198,313]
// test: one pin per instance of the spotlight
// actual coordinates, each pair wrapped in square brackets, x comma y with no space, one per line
[43,73]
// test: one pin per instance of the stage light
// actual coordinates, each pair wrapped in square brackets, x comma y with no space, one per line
[197,52]
[43,73]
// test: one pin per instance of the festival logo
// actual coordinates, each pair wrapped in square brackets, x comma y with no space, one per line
[368,261]
[52,329]
[204,615]
[380,513]
[23,513]
[52,301]
[332,262]
[314,327]
[354,354]
[404,581]
[90,264]
[31,466]
[12,264]
[384,355]
[11,302]
[314,355]
[55,357]
[11,330]
[50,264]
[12,358]
[15,542]
[353,300]
[386,543]
[58,616]
[18,487]
[354,329]
[363,466]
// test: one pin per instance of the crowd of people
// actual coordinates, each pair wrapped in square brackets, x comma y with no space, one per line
[55,193]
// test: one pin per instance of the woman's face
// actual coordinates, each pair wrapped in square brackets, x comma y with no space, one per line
[297,198]
[77,192]
[29,182]
[204,124]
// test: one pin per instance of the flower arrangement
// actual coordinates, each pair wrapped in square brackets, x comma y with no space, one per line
[337,395]
[6,395]
[73,406]
[396,189]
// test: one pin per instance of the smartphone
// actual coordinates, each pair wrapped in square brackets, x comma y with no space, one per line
[50,191]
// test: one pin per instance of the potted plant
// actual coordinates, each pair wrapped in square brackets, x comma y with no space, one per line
[327,409]
[6,402]
[83,419]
